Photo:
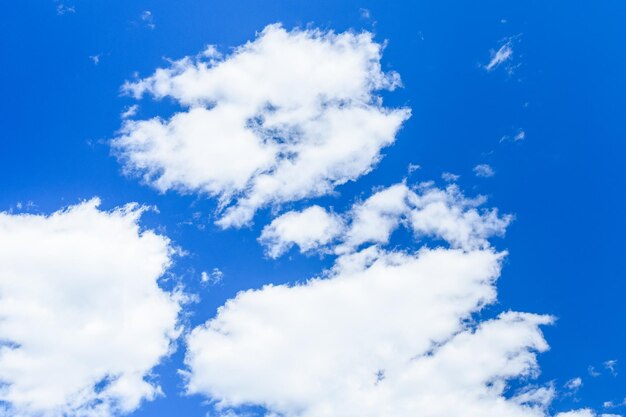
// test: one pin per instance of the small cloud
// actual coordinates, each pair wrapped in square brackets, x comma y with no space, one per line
[611,366]
[574,384]
[211,51]
[65,9]
[517,137]
[503,21]
[449,177]
[503,56]
[484,171]
[612,404]
[95,58]
[148,19]
[413,167]
[212,278]
[500,56]
[592,371]
[130,111]
[365,14]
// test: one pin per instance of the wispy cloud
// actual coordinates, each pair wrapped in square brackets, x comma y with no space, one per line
[500,56]
[449,177]
[95,58]
[413,167]
[213,277]
[611,366]
[148,19]
[504,55]
[65,9]
[574,384]
[130,111]
[520,135]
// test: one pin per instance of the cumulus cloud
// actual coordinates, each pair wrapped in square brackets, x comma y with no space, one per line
[383,332]
[429,212]
[83,320]
[287,116]
[309,229]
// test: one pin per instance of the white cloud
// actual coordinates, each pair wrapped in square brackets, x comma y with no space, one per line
[82,318]
[309,229]
[413,167]
[484,170]
[577,413]
[287,116]
[574,384]
[148,19]
[376,218]
[611,366]
[427,211]
[212,278]
[384,332]
[450,177]
[520,135]
[95,58]
[592,371]
[130,111]
[503,54]
[65,9]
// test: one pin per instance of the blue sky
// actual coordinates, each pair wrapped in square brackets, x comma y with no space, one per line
[64,64]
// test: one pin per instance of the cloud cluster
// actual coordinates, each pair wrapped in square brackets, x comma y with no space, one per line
[82,318]
[287,116]
[384,333]
[427,211]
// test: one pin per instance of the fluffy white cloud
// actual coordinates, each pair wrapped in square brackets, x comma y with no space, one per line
[287,116]
[386,333]
[428,211]
[309,229]
[82,318]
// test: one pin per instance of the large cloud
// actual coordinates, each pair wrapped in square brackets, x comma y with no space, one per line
[384,332]
[287,116]
[82,317]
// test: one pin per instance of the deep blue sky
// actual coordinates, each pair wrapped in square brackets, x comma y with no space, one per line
[565,182]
